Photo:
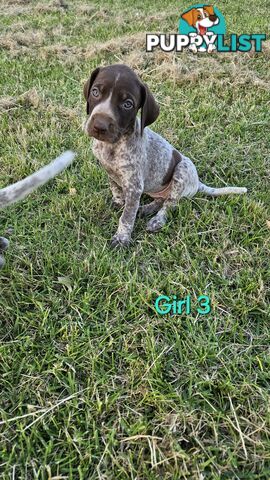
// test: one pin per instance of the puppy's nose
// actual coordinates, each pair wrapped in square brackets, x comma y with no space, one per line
[213,18]
[103,125]
[100,126]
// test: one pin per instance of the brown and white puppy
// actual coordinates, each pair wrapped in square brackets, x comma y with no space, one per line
[201,18]
[18,191]
[137,159]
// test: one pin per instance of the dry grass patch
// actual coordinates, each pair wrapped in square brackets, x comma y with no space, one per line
[23,41]
[119,45]
[52,6]
[14,10]
[187,67]
[31,98]
[86,9]
[142,21]
[93,12]
[27,7]
[20,26]
[266,48]
[233,68]
[29,38]
[17,2]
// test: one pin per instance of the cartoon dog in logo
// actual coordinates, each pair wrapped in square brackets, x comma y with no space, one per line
[201,19]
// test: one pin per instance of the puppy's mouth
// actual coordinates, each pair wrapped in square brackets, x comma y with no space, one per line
[103,137]
[202,30]
[206,23]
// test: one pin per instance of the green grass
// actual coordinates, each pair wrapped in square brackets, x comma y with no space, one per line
[93,383]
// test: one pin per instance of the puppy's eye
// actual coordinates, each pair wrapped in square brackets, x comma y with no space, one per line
[128,104]
[95,92]
[199,17]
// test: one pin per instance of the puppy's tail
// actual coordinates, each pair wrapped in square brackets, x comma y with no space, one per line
[217,192]
[21,189]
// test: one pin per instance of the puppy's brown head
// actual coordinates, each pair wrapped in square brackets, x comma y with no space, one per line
[114,94]
[204,16]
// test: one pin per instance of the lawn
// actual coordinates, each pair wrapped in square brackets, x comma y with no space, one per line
[94,384]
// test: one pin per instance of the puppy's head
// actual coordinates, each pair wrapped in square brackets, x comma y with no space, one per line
[201,18]
[114,95]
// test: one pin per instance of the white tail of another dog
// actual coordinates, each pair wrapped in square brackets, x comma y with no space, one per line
[18,191]
[217,192]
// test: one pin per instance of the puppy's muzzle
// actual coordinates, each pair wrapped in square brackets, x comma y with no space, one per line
[102,127]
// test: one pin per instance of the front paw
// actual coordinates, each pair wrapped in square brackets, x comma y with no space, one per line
[120,241]
[155,224]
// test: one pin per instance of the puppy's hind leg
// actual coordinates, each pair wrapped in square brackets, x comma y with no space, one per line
[176,192]
[151,208]
[184,183]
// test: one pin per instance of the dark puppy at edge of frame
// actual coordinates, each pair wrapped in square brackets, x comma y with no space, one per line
[18,191]
[137,159]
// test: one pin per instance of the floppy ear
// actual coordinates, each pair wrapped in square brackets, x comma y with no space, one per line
[88,85]
[189,17]
[149,107]
[209,9]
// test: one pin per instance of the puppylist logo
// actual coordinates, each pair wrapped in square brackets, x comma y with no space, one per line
[202,28]
[202,24]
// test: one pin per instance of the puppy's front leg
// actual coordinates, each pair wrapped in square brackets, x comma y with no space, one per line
[132,202]
[117,193]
